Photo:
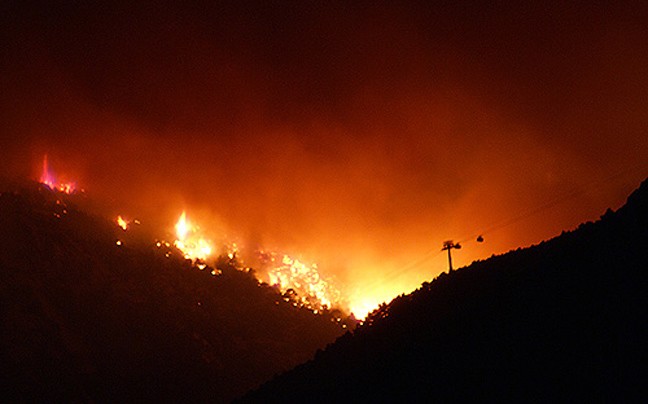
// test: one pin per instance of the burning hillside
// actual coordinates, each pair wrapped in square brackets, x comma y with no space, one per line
[321,153]
[95,310]
[300,283]
[300,280]
[354,137]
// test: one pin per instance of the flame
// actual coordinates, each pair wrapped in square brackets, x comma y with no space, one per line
[48,179]
[181,226]
[309,287]
[122,223]
[301,283]
[189,241]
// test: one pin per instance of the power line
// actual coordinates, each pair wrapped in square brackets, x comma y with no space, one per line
[428,256]
[394,273]
[556,201]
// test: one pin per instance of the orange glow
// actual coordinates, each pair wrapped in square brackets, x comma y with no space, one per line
[189,241]
[363,306]
[364,165]
[122,223]
[365,300]
[48,179]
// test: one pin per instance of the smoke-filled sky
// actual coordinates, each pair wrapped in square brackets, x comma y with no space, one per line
[359,135]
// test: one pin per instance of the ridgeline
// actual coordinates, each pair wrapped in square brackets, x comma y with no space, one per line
[565,320]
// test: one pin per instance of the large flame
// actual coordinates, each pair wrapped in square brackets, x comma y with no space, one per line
[189,241]
[48,179]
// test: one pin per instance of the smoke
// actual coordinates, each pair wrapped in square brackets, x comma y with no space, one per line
[359,137]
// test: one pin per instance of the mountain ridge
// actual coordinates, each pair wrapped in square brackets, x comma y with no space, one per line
[564,319]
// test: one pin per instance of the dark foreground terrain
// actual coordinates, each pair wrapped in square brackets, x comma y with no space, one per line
[565,320]
[83,319]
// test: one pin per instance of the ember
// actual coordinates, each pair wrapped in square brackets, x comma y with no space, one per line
[121,222]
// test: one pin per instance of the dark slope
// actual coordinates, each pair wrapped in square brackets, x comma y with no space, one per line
[83,319]
[566,319]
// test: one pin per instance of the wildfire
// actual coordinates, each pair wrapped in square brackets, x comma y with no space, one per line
[308,287]
[189,241]
[48,179]
[299,282]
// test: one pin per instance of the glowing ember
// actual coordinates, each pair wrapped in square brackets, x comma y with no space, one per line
[122,223]
[189,240]
[302,281]
[232,250]
[48,179]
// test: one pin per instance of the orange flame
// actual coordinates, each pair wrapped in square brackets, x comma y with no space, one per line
[301,283]
[122,223]
[311,289]
[48,179]
[189,241]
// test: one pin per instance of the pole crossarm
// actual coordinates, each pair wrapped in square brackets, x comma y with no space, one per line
[449,245]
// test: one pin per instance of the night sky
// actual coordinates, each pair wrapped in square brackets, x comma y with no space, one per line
[358,135]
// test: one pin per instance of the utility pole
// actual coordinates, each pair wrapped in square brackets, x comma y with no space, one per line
[449,245]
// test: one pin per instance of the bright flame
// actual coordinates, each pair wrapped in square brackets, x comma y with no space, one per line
[48,179]
[182,227]
[300,283]
[189,240]
[122,223]
[309,288]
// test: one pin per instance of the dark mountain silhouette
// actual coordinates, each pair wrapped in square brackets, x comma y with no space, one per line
[563,320]
[85,319]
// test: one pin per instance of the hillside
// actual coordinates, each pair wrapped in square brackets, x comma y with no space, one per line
[562,320]
[85,318]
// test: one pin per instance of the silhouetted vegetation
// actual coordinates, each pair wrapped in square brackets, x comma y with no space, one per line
[560,321]
[86,319]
